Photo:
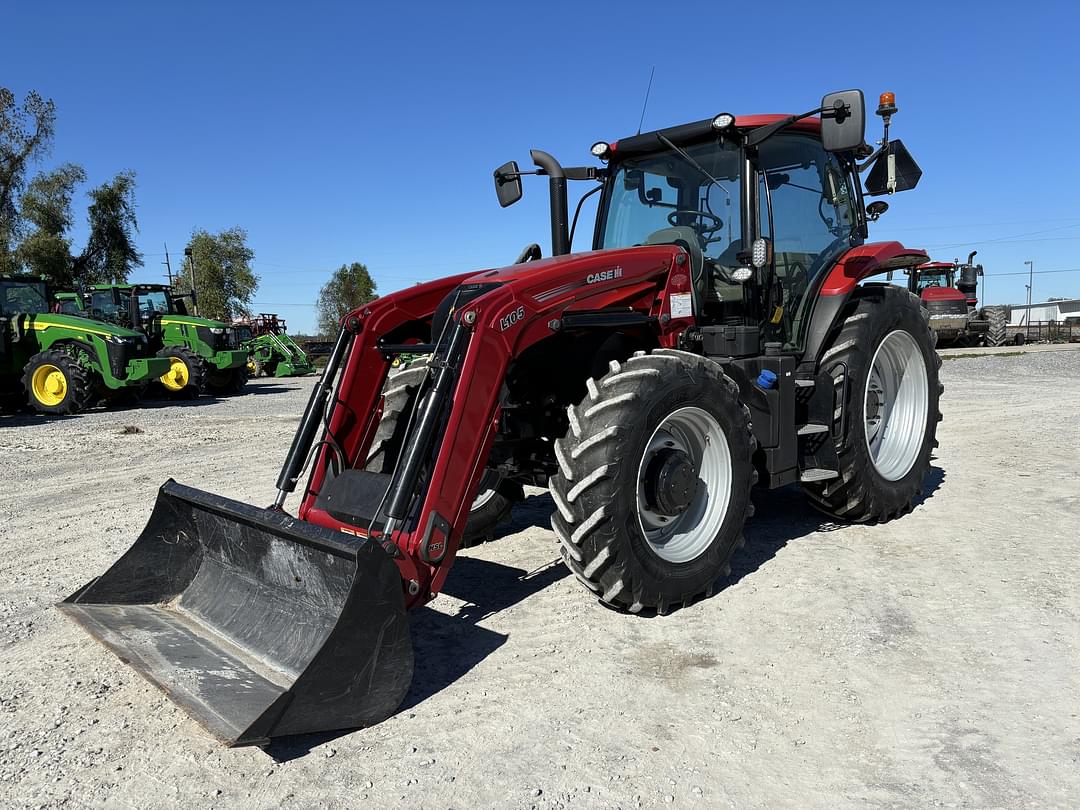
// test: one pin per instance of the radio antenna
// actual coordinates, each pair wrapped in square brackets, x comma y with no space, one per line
[646,104]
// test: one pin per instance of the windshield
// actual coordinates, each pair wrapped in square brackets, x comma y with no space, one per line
[153,302]
[23,297]
[243,333]
[933,278]
[107,306]
[664,190]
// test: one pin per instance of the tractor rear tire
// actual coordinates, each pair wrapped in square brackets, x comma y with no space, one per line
[497,496]
[883,358]
[187,377]
[227,383]
[55,383]
[654,481]
[999,320]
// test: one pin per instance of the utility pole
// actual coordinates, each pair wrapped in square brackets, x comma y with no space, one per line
[1031,282]
[191,264]
[168,267]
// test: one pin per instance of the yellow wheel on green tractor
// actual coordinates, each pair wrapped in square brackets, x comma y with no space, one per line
[49,385]
[177,377]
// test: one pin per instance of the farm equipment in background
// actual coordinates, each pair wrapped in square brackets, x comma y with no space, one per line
[270,349]
[717,336]
[62,362]
[950,294]
[204,355]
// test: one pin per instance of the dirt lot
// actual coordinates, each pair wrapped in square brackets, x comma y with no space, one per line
[931,661]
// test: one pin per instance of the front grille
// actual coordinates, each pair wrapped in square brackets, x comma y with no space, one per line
[949,307]
[119,354]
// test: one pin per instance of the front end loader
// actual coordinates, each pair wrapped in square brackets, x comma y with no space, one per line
[63,363]
[718,335]
[270,349]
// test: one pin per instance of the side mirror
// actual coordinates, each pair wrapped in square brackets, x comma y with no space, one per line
[843,121]
[508,183]
[893,170]
[875,209]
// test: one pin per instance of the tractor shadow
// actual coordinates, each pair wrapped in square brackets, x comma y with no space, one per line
[784,515]
[447,645]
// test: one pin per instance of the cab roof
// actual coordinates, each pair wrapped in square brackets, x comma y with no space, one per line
[681,134]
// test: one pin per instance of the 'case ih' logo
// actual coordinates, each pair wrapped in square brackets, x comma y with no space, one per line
[604,275]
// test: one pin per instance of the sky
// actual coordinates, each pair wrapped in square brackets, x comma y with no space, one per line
[341,132]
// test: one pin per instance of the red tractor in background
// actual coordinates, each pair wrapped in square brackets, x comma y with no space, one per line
[717,336]
[949,293]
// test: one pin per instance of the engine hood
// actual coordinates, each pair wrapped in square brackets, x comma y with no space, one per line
[80,324]
[589,263]
[191,320]
[942,294]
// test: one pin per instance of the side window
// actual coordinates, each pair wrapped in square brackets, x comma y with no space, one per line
[812,215]
[640,204]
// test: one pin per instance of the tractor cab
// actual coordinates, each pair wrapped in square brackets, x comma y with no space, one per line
[764,206]
[23,295]
[135,306]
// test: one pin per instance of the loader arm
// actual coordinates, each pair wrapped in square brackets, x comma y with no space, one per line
[526,307]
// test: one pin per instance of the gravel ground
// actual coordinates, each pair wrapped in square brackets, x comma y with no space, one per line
[934,660]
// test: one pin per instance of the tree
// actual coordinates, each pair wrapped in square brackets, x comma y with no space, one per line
[110,254]
[46,206]
[26,133]
[224,282]
[350,286]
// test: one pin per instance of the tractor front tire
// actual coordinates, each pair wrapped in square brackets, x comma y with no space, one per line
[654,481]
[227,383]
[999,320]
[885,376]
[56,383]
[187,376]
[496,498]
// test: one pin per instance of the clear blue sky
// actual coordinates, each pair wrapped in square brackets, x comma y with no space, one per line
[338,132]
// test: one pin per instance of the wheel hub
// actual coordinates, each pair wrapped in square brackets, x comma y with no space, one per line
[671,482]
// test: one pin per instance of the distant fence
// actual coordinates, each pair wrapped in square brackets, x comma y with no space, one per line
[1047,332]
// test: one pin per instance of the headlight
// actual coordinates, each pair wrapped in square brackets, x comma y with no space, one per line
[217,330]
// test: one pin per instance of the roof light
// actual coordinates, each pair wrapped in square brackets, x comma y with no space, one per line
[723,121]
[886,104]
[600,149]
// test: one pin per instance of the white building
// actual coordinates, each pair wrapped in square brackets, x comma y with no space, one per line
[1046,311]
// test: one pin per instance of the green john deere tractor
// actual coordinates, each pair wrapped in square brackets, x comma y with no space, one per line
[270,349]
[62,363]
[204,355]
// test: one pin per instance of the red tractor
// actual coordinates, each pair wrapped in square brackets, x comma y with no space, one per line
[717,336]
[949,293]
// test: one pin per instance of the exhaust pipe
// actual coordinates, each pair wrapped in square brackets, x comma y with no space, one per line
[560,235]
[971,256]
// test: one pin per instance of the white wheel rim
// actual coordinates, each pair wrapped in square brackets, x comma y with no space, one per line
[895,405]
[686,536]
[489,485]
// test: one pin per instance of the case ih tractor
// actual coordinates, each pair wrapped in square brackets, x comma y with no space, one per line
[204,355]
[949,293]
[62,362]
[717,336]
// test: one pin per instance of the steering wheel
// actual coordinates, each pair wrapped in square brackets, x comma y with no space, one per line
[702,229]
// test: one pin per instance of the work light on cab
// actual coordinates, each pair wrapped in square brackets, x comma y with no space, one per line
[723,121]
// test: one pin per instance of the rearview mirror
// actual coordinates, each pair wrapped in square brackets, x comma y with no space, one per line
[875,209]
[893,170]
[508,183]
[843,121]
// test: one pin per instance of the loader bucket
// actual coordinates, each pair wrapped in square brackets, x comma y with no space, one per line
[257,624]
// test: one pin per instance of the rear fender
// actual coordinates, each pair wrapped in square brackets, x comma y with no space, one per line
[853,266]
